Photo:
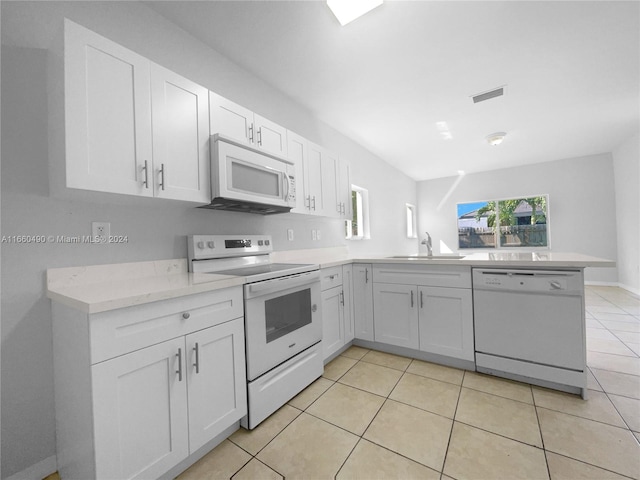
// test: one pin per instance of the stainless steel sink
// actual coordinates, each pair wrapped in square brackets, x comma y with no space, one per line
[429,257]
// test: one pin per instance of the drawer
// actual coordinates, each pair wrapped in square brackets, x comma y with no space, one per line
[457,276]
[330,277]
[124,330]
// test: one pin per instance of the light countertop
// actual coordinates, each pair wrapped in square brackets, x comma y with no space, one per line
[100,288]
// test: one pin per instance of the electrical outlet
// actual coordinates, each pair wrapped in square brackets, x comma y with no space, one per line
[100,231]
[317,234]
[314,235]
[290,234]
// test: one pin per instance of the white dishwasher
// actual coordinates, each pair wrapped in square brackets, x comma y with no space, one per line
[529,325]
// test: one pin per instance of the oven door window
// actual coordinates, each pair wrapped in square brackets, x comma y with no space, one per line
[287,313]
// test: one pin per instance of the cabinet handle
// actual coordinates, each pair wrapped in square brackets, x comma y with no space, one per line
[146,174]
[421,300]
[196,349]
[411,298]
[179,371]
[339,207]
[186,315]
[307,202]
[366,275]
[342,298]
[251,133]
[162,172]
[314,203]
[260,136]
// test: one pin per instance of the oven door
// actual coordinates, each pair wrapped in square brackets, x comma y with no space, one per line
[241,173]
[282,318]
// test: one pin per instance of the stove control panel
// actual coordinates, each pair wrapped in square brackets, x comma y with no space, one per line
[206,247]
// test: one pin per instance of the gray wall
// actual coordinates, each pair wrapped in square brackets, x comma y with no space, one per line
[581,204]
[626,167]
[156,228]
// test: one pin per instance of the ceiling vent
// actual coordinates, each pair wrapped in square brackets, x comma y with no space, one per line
[496,92]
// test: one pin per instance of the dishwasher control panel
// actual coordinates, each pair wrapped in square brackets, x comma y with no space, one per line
[559,281]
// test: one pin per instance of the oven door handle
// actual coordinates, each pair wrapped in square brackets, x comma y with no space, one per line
[280,284]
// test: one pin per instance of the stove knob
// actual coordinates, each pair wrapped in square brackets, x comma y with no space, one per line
[260,243]
[211,244]
[200,245]
[266,242]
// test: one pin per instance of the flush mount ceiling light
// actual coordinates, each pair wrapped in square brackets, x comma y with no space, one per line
[495,138]
[348,10]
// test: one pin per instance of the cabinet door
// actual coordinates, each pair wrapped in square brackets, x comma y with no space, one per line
[230,119]
[331,202]
[343,181]
[216,379]
[270,136]
[347,298]
[297,152]
[363,301]
[332,321]
[313,180]
[140,412]
[107,115]
[446,322]
[180,137]
[396,314]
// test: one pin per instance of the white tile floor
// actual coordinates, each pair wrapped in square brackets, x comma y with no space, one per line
[374,415]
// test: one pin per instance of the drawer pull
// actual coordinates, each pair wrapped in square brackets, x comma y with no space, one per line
[186,315]
[179,371]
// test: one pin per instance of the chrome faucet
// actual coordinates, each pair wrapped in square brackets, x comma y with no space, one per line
[427,242]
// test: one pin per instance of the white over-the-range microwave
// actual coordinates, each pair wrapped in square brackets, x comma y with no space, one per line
[245,179]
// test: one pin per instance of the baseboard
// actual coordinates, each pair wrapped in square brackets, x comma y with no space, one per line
[628,288]
[37,471]
[601,284]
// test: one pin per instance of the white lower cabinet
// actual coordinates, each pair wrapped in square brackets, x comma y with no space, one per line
[396,314]
[126,408]
[427,308]
[140,411]
[362,295]
[332,321]
[337,320]
[446,322]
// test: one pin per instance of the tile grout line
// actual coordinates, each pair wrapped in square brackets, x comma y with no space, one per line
[453,423]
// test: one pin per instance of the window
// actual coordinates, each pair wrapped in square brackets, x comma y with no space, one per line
[510,223]
[412,229]
[358,227]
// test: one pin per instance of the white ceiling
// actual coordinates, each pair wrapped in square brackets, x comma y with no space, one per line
[385,80]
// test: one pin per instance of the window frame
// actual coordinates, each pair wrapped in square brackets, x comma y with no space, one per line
[412,220]
[361,213]
[497,246]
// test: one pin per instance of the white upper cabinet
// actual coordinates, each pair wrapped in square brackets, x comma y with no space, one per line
[180,137]
[241,124]
[330,183]
[313,181]
[343,182]
[298,152]
[114,143]
[107,114]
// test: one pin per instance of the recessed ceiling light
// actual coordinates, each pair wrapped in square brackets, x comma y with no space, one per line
[348,10]
[495,138]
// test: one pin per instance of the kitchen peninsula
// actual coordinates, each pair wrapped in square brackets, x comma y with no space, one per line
[113,322]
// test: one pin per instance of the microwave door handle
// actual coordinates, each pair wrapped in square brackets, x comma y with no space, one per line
[285,181]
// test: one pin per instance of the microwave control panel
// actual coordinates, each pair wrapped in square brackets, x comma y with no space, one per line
[292,189]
